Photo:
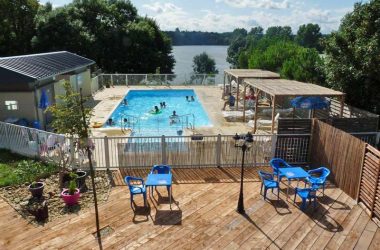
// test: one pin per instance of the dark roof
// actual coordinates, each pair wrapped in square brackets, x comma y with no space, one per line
[40,66]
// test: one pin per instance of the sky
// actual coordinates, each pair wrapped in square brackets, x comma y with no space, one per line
[226,15]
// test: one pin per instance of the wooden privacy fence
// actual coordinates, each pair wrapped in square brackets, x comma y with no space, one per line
[369,193]
[341,152]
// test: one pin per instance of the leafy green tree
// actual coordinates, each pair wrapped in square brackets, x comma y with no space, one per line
[257,32]
[16,26]
[73,119]
[281,32]
[306,66]
[204,64]
[233,51]
[108,31]
[352,61]
[309,36]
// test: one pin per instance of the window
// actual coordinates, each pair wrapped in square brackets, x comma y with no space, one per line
[11,105]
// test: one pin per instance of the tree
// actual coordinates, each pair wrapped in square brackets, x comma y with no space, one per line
[279,32]
[203,64]
[352,61]
[16,26]
[107,31]
[73,119]
[309,36]
[233,51]
[305,66]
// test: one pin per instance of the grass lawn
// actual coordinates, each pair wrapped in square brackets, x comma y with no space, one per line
[16,169]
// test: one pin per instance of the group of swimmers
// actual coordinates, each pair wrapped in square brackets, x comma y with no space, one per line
[190,98]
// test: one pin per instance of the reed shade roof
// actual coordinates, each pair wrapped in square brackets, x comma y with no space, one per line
[251,73]
[282,87]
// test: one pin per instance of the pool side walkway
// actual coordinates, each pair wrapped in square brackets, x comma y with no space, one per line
[203,217]
[106,100]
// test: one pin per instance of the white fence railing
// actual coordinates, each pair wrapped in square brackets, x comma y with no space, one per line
[177,151]
[103,80]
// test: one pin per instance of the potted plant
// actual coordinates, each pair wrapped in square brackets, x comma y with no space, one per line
[36,189]
[81,179]
[71,195]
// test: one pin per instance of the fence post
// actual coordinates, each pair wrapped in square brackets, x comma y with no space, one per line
[163,148]
[112,80]
[8,146]
[72,149]
[166,79]
[126,79]
[107,152]
[218,150]
[274,143]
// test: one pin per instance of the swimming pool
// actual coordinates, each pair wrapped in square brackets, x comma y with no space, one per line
[144,122]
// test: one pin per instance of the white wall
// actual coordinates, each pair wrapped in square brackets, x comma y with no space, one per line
[26,105]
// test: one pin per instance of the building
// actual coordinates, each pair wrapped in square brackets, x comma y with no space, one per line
[23,78]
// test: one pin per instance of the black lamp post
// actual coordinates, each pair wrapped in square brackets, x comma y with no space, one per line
[244,142]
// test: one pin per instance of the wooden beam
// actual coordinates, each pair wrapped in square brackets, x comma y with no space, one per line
[224,84]
[244,102]
[273,112]
[341,106]
[256,111]
[237,93]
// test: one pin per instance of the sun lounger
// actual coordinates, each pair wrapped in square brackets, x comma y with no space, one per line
[262,122]
[237,114]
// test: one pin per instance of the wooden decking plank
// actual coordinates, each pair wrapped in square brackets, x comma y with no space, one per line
[334,221]
[367,236]
[347,226]
[199,211]
[210,213]
[121,215]
[375,243]
[354,235]
[187,208]
[316,230]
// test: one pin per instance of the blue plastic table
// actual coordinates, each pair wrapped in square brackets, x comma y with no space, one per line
[154,180]
[293,173]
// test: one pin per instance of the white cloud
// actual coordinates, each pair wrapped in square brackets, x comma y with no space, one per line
[256,4]
[170,16]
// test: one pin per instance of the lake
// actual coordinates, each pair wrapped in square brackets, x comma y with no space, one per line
[184,57]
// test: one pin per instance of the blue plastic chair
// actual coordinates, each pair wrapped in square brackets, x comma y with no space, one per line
[306,194]
[136,188]
[318,178]
[277,163]
[268,182]
[161,169]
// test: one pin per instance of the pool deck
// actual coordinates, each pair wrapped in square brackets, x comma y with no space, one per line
[203,216]
[106,101]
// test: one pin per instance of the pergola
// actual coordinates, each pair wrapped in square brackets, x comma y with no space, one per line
[240,74]
[287,88]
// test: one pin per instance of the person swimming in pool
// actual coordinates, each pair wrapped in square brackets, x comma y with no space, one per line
[110,122]
[187,98]
[161,105]
[192,99]
[125,102]
[164,104]
[173,118]
[156,109]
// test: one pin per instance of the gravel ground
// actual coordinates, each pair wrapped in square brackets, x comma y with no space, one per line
[21,200]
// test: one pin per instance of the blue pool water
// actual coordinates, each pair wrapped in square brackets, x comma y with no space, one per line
[139,115]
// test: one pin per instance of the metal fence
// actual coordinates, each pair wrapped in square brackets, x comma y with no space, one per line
[177,151]
[103,80]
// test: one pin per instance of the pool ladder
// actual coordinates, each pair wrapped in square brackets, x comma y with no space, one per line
[129,121]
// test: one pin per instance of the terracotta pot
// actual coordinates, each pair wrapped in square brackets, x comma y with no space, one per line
[37,190]
[70,199]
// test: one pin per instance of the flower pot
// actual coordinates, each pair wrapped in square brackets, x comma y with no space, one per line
[81,180]
[37,189]
[70,199]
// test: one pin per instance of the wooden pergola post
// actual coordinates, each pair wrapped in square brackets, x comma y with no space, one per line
[341,106]
[273,112]
[256,111]
[237,93]
[245,94]
[224,84]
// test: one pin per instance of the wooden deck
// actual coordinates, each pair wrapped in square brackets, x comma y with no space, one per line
[203,216]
